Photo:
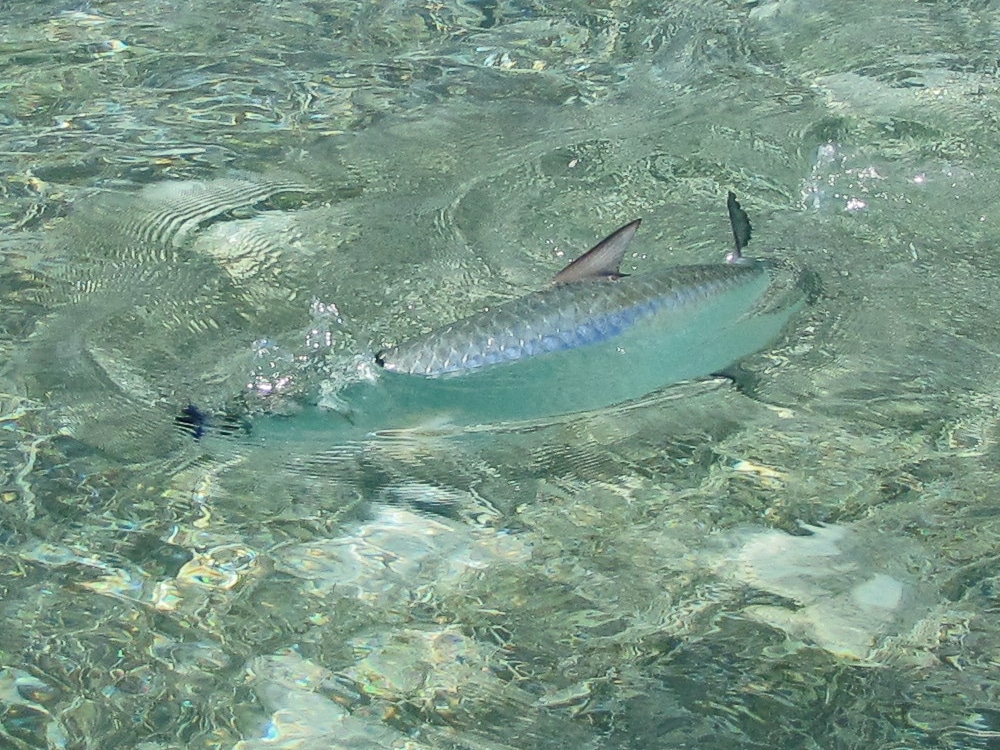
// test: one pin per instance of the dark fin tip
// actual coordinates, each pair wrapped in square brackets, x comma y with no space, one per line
[196,423]
[192,420]
[740,223]
[380,358]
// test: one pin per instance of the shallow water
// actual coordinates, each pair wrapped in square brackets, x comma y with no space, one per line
[802,557]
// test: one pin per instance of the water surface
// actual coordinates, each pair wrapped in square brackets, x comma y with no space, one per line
[804,557]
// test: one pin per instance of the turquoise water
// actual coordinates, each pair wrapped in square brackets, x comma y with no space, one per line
[802,557]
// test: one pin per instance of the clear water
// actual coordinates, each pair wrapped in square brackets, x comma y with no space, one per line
[805,559]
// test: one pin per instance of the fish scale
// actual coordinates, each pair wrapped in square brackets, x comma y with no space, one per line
[561,317]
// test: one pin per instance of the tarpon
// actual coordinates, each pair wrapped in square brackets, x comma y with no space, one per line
[593,338]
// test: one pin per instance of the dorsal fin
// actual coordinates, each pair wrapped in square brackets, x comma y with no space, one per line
[603,260]
[740,223]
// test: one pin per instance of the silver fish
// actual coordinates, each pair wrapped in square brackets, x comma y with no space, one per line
[593,338]
[585,306]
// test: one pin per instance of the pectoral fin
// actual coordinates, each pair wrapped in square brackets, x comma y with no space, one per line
[740,223]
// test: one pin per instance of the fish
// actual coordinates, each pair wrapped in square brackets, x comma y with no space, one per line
[593,338]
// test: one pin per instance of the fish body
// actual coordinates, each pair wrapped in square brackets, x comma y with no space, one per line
[563,317]
[591,339]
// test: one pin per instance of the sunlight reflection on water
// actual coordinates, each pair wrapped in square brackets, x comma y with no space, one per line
[721,569]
